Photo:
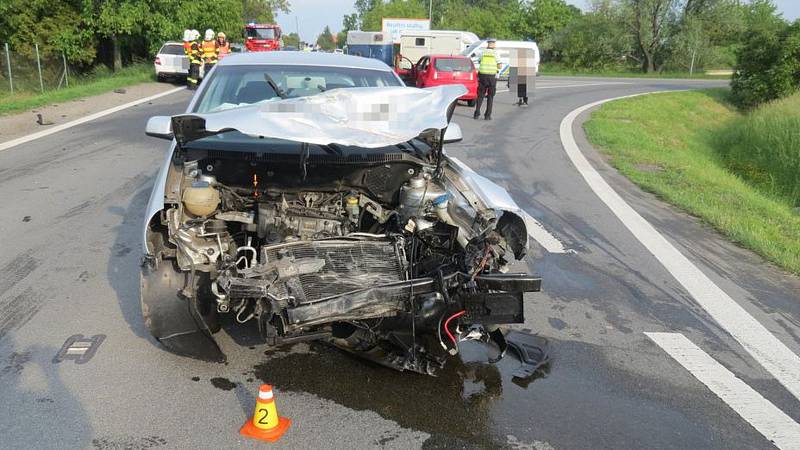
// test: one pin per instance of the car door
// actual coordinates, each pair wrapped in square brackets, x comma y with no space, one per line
[422,71]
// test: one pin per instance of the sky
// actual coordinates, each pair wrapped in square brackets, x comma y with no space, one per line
[312,15]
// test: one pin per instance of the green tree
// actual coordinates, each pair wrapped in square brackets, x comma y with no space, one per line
[768,64]
[487,18]
[371,20]
[350,22]
[325,40]
[263,11]
[594,41]
[541,19]
[649,23]
[116,21]
[292,40]
[57,27]
[168,18]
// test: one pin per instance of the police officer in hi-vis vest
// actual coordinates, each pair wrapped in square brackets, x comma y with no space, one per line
[487,80]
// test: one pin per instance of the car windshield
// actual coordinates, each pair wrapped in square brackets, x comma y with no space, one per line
[453,65]
[172,49]
[261,33]
[242,85]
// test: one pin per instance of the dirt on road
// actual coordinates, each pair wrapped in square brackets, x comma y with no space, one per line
[17,125]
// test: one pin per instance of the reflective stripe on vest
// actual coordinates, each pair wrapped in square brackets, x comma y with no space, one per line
[195,53]
[488,65]
[209,49]
[187,47]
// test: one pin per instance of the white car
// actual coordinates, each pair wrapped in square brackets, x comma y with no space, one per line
[172,62]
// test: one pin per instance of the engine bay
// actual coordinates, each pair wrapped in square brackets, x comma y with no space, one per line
[377,260]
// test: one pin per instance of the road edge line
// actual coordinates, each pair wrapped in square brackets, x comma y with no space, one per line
[64,126]
[760,413]
[765,348]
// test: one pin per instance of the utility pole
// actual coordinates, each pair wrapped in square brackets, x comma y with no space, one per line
[430,10]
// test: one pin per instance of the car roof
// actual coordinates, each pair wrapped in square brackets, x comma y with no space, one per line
[449,56]
[304,59]
[172,43]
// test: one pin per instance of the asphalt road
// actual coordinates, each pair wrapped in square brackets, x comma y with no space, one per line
[72,206]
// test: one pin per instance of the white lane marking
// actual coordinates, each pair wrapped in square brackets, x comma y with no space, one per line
[537,231]
[82,120]
[768,350]
[759,412]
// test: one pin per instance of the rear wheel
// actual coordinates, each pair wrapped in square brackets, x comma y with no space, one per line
[471,103]
[161,77]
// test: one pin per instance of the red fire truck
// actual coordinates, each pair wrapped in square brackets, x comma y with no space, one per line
[260,37]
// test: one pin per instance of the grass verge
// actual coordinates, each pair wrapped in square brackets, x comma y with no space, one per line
[98,82]
[558,70]
[674,145]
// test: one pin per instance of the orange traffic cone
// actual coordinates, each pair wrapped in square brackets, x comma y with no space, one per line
[266,424]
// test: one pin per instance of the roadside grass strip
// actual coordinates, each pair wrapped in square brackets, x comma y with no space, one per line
[759,412]
[93,84]
[738,173]
[765,348]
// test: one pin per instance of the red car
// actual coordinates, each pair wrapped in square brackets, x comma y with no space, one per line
[435,70]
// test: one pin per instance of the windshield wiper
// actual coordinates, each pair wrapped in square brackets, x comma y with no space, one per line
[274,86]
[334,149]
[416,150]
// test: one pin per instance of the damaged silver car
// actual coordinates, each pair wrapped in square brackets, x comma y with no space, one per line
[314,198]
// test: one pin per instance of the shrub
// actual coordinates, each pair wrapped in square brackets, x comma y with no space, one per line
[768,66]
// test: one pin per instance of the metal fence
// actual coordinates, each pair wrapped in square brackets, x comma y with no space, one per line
[32,71]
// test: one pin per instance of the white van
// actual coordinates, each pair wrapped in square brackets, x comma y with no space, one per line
[503,51]
[414,44]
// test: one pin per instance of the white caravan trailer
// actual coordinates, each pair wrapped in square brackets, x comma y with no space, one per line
[503,51]
[416,44]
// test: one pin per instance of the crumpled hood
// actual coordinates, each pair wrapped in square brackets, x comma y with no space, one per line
[363,117]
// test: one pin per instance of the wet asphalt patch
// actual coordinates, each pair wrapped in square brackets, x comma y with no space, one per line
[456,406]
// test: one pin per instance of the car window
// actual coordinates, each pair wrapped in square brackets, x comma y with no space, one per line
[173,49]
[235,86]
[453,65]
[260,33]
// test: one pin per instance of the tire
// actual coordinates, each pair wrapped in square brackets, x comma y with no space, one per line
[179,323]
[161,77]
[471,103]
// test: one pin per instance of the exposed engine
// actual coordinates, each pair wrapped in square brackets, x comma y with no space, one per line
[381,277]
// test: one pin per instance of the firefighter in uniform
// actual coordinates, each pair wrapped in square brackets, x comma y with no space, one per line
[487,80]
[187,41]
[223,45]
[187,47]
[210,50]
[195,61]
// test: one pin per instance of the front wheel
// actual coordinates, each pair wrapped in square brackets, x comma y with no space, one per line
[179,322]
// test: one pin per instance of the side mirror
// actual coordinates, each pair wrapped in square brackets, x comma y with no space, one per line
[159,127]
[453,134]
